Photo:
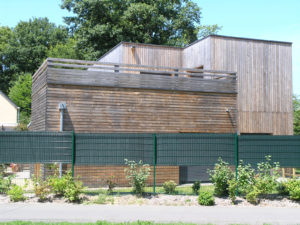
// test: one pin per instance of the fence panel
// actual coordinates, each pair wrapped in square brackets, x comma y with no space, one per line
[193,149]
[112,149]
[283,149]
[35,147]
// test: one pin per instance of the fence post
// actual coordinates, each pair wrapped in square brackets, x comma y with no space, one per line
[236,159]
[73,152]
[154,162]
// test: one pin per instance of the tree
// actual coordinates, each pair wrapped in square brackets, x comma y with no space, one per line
[5,75]
[296,109]
[66,51]
[26,47]
[20,94]
[101,24]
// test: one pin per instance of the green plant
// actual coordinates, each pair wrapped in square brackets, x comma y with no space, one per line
[293,187]
[245,178]
[169,187]
[196,187]
[16,194]
[41,188]
[206,198]
[267,175]
[111,184]
[252,196]
[232,189]
[282,188]
[73,191]
[102,198]
[5,183]
[58,184]
[66,186]
[220,177]
[137,174]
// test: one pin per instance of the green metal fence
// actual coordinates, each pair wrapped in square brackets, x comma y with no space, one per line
[177,149]
[35,147]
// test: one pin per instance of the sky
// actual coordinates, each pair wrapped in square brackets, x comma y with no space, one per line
[261,19]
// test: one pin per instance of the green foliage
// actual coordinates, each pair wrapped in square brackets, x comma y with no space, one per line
[102,199]
[66,186]
[66,50]
[111,184]
[232,189]
[252,196]
[296,109]
[25,47]
[206,198]
[220,177]
[267,175]
[196,187]
[41,188]
[137,174]
[5,183]
[16,193]
[170,187]
[100,25]
[73,191]
[20,94]
[246,178]
[282,188]
[293,187]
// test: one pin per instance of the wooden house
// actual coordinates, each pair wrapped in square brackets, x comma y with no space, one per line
[216,85]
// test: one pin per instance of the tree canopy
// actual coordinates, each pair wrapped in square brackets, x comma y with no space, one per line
[296,108]
[101,24]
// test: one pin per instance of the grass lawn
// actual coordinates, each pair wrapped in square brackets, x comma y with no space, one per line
[182,190]
[97,223]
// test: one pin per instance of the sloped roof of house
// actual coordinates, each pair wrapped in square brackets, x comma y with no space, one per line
[8,99]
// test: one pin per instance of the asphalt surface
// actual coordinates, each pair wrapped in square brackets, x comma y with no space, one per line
[116,213]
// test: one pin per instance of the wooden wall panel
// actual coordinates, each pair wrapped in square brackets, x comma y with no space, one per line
[153,55]
[198,54]
[264,82]
[98,109]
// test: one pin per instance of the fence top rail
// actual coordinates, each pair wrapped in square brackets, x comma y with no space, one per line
[137,69]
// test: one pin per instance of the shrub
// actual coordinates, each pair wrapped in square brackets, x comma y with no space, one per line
[267,176]
[59,185]
[196,187]
[282,188]
[232,188]
[16,194]
[220,177]
[245,179]
[5,184]
[41,188]
[252,196]
[293,187]
[137,174]
[169,187]
[111,184]
[73,191]
[66,186]
[206,198]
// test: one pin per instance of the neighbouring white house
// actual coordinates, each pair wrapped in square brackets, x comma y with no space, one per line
[9,113]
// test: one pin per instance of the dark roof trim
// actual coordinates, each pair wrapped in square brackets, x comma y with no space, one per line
[213,35]
[8,99]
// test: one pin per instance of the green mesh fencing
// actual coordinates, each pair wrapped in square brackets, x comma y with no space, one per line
[35,147]
[283,149]
[112,149]
[195,149]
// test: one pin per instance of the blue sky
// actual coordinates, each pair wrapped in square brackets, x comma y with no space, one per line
[262,19]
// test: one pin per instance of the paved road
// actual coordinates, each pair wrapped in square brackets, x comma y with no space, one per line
[195,214]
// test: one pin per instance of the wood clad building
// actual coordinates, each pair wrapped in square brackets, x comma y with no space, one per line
[263,68]
[216,85]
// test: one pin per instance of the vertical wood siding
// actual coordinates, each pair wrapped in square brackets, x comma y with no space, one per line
[264,82]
